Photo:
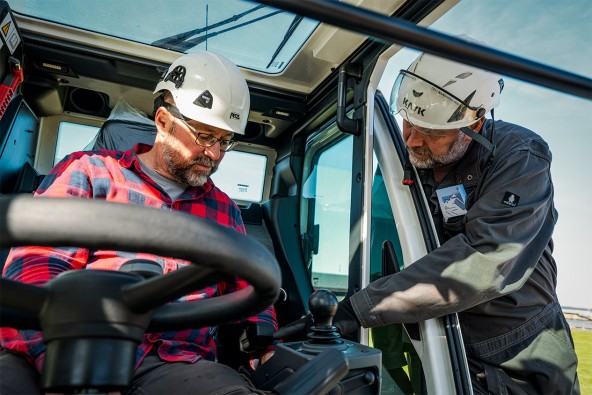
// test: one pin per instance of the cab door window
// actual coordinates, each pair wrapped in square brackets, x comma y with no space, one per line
[325,209]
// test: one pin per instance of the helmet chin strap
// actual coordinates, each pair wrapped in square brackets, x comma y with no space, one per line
[479,138]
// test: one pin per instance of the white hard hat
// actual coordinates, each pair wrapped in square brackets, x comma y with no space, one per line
[210,89]
[436,93]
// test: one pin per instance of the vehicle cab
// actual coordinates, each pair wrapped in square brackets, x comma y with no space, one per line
[321,175]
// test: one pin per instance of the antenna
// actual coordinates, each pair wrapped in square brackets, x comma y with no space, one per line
[206,26]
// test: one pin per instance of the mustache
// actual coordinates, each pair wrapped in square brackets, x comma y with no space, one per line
[203,161]
[419,151]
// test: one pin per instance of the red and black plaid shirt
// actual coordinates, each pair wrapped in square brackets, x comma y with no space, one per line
[117,176]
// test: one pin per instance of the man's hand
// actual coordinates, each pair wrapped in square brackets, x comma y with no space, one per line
[295,331]
[266,357]
[345,321]
[256,363]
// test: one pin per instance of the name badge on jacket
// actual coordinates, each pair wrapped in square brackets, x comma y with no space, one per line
[452,201]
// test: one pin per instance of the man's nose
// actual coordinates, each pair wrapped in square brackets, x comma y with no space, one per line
[414,138]
[213,152]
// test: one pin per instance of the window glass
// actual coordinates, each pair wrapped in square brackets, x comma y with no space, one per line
[401,367]
[242,176]
[73,137]
[252,35]
[326,207]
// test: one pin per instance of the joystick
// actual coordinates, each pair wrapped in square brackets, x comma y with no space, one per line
[325,363]
[323,335]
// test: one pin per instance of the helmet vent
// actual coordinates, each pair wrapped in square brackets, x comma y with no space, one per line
[461,76]
[177,76]
[448,83]
[470,97]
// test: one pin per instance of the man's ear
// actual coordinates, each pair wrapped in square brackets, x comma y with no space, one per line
[163,119]
[476,127]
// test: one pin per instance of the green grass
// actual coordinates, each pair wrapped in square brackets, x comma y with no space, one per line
[583,342]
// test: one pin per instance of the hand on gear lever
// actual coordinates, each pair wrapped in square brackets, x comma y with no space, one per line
[324,309]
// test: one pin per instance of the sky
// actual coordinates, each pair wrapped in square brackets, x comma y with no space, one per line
[559,34]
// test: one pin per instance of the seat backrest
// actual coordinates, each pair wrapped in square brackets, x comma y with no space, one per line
[122,135]
[255,226]
[125,127]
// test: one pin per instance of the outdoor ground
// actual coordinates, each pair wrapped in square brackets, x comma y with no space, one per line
[583,341]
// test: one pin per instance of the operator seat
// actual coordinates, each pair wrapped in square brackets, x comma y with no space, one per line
[125,127]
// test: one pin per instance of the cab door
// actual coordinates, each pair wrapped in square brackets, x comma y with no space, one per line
[353,200]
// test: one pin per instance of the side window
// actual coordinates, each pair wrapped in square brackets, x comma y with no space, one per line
[325,209]
[73,137]
[242,176]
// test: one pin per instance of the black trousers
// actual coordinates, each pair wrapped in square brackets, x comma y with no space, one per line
[153,377]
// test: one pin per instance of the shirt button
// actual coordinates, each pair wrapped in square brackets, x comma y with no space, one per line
[470,177]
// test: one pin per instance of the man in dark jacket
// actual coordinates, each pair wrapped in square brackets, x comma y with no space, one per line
[489,189]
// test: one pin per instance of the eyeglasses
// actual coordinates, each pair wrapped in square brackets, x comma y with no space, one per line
[201,139]
[207,140]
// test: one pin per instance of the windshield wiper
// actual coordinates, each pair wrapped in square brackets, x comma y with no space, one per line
[185,45]
[181,41]
[295,22]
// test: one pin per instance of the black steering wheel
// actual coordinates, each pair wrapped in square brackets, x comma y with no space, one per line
[99,317]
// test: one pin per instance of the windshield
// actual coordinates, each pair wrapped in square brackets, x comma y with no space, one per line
[273,37]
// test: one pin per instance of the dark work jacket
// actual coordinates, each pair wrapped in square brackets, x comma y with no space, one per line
[494,266]
[535,264]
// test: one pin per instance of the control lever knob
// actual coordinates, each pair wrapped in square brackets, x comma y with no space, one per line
[323,335]
[323,307]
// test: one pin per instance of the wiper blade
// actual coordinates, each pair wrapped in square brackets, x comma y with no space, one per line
[186,45]
[178,38]
[295,22]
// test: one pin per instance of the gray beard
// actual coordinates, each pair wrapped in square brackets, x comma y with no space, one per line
[424,159]
[185,172]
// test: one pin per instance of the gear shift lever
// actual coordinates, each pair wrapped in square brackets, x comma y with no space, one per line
[313,361]
[323,335]
[323,306]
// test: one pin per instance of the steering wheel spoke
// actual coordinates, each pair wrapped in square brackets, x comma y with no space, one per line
[156,291]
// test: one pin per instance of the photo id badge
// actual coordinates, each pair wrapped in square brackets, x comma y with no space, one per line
[452,201]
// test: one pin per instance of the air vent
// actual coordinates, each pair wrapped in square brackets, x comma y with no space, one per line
[88,102]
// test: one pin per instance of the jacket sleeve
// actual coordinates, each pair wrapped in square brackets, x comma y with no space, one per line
[495,256]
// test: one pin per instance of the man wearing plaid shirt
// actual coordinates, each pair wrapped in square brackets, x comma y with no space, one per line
[203,100]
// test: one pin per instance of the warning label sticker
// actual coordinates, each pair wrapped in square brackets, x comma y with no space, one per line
[9,33]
